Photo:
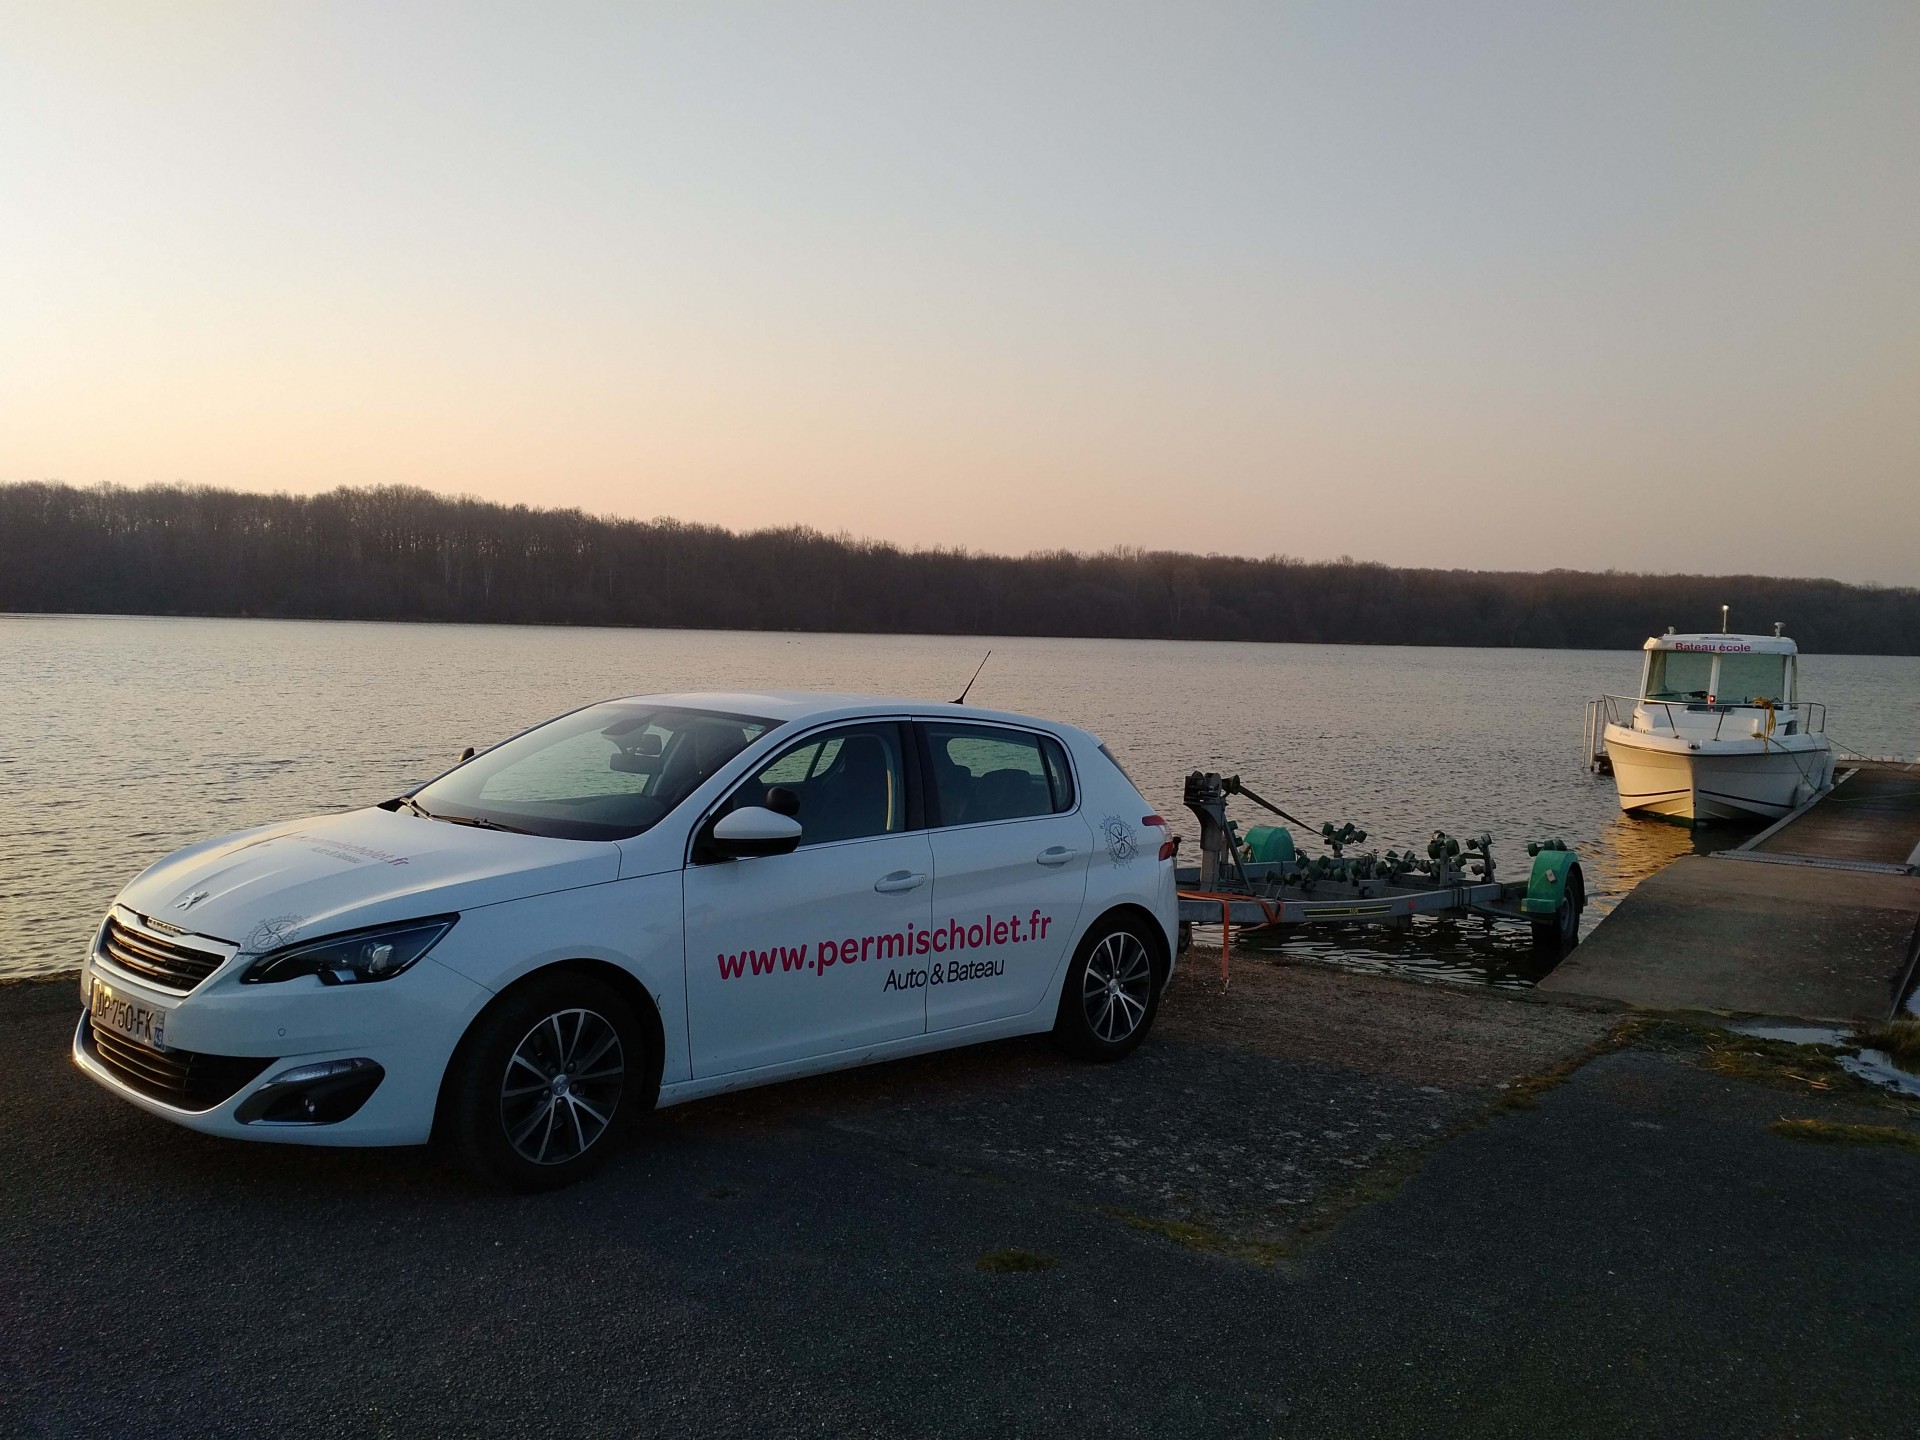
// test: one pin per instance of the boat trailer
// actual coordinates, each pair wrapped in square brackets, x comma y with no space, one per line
[1257,881]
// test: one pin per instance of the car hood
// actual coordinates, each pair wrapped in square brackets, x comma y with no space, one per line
[264,888]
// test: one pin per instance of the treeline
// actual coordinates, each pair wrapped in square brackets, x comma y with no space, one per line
[395,553]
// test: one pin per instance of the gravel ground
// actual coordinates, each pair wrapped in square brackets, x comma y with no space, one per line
[1455,1036]
[1636,1253]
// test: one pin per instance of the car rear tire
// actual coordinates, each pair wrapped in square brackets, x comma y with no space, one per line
[546,1084]
[1112,991]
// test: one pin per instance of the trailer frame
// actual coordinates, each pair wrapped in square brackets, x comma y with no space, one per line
[1270,903]
[1232,889]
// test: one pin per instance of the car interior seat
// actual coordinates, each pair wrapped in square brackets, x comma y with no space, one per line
[854,798]
[1008,795]
[953,783]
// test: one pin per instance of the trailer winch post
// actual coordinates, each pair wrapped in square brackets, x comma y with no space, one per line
[1205,794]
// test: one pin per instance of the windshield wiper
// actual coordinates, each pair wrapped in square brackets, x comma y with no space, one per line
[480,822]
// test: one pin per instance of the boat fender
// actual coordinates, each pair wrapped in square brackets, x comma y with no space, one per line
[1269,843]
[1553,864]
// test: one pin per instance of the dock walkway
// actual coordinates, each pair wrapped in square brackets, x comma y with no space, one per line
[1871,818]
[1825,926]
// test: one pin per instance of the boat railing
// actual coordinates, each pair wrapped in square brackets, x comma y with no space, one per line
[1807,717]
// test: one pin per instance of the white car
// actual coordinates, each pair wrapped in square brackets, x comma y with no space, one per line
[642,902]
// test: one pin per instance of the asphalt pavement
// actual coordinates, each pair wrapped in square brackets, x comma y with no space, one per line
[1223,1239]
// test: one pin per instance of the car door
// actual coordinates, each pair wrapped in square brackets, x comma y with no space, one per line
[798,955]
[1010,858]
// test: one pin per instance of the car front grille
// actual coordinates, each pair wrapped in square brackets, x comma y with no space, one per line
[179,1077]
[157,959]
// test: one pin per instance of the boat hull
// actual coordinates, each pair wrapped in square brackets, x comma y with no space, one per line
[1656,776]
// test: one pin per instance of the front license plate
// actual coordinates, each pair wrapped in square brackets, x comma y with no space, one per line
[110,1010]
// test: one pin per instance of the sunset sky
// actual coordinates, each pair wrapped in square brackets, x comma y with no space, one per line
[1503,286]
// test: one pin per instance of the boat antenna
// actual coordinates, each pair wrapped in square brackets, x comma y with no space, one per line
[961,698]
[1723,619]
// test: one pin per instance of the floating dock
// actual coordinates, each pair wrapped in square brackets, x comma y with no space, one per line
[1816,917]
[1869,821]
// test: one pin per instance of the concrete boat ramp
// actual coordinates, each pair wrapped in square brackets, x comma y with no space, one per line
[1817,917]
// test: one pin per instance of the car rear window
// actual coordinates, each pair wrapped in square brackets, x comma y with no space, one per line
[983,773]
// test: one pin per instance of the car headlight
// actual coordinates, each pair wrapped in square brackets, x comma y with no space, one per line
[379,953]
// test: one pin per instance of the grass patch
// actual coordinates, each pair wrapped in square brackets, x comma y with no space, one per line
[1833,1132]
[1777,1062]
[1014,1262]
[1204,1238]
[1899,1038]
[1525,1093]
[1782,1064]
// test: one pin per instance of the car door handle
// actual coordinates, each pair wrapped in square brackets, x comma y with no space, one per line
[1055,855]
[899,882]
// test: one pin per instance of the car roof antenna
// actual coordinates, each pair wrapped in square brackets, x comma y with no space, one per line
[961,698]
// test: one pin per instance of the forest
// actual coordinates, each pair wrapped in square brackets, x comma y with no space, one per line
[399,553]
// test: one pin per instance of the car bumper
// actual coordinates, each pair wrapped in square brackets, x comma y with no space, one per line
[407,1026]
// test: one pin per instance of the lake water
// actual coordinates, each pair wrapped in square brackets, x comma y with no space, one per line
[124,738]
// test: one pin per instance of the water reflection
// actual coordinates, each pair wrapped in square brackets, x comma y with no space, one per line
[1632,848]
[1473,951]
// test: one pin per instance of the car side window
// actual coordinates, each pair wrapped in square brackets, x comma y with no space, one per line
[982,773]
[840,785]
[1059,773]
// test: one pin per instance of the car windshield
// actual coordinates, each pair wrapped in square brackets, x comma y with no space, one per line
[607,772]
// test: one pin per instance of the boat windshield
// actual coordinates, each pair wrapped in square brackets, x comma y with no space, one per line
[1679,675]
[607,772]
[1749,679]
[1687,675]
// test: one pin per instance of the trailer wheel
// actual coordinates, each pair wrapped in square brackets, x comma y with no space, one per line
[1561,930]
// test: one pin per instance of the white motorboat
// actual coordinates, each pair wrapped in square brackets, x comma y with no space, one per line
[1717,731]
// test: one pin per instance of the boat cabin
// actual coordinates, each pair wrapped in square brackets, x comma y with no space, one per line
[1717,732]
[1703,677]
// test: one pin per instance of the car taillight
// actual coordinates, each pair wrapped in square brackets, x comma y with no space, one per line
[1170,844]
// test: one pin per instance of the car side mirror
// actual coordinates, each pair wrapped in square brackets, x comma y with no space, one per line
[754,830]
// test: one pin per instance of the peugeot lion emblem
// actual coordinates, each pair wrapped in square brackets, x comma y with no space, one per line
[191,899]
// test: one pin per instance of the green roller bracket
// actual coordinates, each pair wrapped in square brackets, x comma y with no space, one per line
[1269,843]
[1547,886]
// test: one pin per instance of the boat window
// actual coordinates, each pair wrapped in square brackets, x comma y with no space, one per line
[1679,675]
[1749,679]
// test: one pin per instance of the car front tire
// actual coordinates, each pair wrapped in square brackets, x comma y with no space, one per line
[546,1084]
[1112,991]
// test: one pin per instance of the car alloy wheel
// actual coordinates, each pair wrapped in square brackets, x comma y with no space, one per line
[1116,987]
[562,1086]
